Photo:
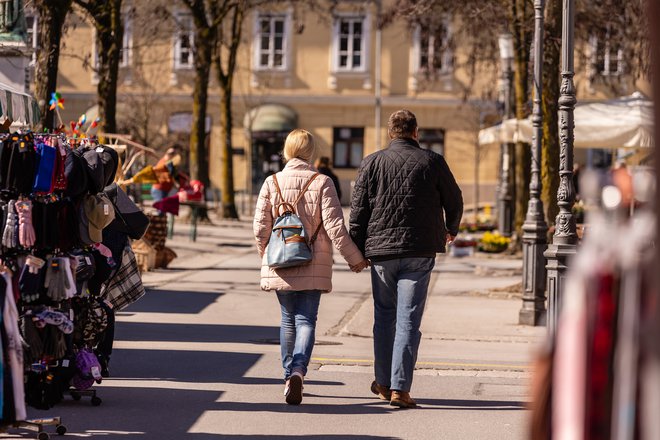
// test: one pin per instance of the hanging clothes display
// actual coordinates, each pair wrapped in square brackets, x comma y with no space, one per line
[601,359]
[59,253]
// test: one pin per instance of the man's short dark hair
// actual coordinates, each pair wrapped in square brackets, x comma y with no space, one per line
[402,124]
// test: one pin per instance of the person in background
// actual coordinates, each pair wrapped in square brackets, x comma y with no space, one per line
[165,171]
[323,165]
[401,198]
[299,288]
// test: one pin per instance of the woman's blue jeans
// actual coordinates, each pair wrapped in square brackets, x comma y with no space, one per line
[298,327]
[400,287]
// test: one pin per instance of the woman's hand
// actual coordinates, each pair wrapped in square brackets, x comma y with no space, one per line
[357,268]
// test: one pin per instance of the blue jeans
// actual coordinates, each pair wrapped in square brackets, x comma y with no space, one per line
[400,287]
[299,312]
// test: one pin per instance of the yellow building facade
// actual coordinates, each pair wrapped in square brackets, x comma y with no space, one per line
[335,75]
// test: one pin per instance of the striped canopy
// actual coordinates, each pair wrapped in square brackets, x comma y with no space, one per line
[18,106]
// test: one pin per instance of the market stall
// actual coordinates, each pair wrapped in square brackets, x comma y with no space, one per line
[625,122]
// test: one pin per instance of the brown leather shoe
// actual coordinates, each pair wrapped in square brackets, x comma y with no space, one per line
[381,391]
[402,399]
[294,393]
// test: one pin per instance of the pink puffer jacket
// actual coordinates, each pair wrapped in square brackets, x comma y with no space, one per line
[319,202]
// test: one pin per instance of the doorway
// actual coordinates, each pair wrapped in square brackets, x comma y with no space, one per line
[266,156]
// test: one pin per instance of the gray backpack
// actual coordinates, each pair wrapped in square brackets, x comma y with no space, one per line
[288,245]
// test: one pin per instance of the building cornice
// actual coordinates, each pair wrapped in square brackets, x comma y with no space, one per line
[332,100]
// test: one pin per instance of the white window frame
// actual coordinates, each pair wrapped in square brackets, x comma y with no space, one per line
[365,47]
[34,30]
[595,42]
[447,55]
[126,45]
[184,25]
[286,43]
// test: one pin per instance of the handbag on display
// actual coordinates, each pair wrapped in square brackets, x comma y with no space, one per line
[129,218]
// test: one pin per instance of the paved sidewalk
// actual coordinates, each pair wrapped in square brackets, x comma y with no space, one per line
[198,356]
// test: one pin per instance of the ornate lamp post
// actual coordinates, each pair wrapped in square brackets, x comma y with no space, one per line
[564,242]
[505,198]
[535,229]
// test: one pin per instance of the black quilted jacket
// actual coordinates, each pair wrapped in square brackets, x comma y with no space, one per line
[400,200]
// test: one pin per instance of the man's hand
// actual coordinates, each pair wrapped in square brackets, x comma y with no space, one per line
[360,266]
[450,238]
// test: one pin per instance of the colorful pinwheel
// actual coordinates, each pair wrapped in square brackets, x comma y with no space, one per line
[56,100]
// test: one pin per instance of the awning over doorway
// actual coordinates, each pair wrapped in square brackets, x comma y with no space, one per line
[270,118]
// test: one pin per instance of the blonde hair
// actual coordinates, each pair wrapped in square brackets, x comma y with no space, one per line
[299,144]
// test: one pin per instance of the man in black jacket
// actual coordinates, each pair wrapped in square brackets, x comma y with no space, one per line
[400,201]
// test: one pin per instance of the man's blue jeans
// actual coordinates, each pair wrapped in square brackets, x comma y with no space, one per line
[400,287]
[298,327]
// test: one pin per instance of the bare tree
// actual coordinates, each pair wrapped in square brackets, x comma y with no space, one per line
[138,117]
[521,25]
[224,59]
[623,25]
[52,14]
[204,40]
[549,104]
[106,16]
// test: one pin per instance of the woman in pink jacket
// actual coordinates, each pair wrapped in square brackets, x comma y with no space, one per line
[299,288]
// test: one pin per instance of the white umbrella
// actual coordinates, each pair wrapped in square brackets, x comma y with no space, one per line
[623,122]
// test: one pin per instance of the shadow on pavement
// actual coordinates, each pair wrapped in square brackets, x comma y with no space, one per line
[480,405]
[144,331]
[306,437]
[190,367]
[173,301]
[185,366]
[136,413]
[371,407]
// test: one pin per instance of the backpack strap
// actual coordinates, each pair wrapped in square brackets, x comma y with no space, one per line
[304,190]
[318,228]
[316,233]
[287,206]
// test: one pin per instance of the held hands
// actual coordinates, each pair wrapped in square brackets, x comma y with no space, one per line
[360,266]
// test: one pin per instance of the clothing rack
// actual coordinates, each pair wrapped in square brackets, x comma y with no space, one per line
[37,425]
[600,362]
[32,305]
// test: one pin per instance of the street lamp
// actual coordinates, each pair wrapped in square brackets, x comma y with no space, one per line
[535,228]
[505,198]
[564,242]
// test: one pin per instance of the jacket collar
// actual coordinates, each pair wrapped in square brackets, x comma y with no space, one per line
[298,164]
[404,143]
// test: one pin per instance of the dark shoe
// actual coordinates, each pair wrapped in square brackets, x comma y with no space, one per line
[402,399]
[381,391]
[294,395]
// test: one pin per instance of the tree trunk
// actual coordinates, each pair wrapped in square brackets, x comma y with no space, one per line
[52,14]
[230,42]
[226,156]
[110,36]
[198,156]
[550,156]
[522,16]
